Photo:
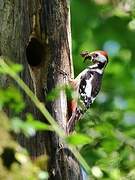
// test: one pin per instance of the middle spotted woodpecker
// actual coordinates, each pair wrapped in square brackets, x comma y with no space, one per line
[87,86]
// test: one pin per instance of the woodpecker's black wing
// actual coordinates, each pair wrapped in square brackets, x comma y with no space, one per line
[85,88]
[96,84]
[89,87]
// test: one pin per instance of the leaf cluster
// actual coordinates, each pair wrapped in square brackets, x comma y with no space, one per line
[110,122]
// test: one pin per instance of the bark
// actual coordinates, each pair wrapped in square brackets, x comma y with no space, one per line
[37,34]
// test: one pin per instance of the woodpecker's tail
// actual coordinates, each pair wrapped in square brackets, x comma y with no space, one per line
[72,121]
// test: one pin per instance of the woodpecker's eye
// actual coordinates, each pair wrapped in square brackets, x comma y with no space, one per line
[95,55]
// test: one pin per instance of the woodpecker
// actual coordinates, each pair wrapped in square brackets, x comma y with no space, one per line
[86,85]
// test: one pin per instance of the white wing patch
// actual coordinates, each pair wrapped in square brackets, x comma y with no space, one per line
[88,87]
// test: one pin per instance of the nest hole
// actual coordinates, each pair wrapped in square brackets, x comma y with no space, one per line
[34,52]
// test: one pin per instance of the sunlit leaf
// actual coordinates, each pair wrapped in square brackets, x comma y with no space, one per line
[16,67]
[12,98]
[43,175]
[16,124]
[23,159]
[78,139]
[38,125]
[96,171]
[28,127]
[54,94]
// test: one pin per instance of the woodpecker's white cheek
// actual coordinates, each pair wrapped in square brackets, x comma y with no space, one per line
[102,58]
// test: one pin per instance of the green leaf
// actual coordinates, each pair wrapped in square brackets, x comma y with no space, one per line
[12,98]
[37,125]
[54,94]
[78,139]
[16,124]
[28,127]
[2,70]
[16,67]
[43,175]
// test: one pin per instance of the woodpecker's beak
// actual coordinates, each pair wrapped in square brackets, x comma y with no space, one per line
[86,58]
[91,56]
[86,55]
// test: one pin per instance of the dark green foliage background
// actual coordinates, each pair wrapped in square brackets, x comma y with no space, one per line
[111,119]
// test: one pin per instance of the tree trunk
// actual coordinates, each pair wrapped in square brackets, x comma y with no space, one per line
[37,34]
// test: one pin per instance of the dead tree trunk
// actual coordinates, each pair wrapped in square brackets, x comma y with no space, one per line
[37,34]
